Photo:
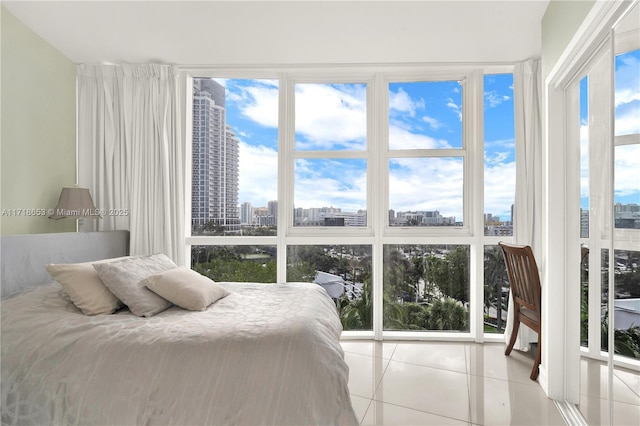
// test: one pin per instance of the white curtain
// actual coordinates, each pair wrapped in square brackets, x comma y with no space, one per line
[131,153]
[527,210]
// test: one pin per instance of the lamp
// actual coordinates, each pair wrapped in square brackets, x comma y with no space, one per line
[75,203]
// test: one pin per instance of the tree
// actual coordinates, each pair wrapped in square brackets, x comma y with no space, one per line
[221,263]
[448,314]
[457,286]
[495,276]
[357,314]
[625,342]
[395,273]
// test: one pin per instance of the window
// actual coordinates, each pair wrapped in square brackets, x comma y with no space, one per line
[627,140]
[344,271]
[235,157]
[330,155]
[426,154]
[426,287]
[499,155]
[362,182]
[599,208]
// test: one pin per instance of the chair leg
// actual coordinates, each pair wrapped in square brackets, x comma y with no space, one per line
[536,363]
[514,334]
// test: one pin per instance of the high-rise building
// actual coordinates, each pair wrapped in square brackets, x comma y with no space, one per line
[246,213]
[272,207]
[215,156]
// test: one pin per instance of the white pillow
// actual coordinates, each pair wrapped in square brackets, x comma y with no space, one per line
[86,290]
[186,288]
[123,278]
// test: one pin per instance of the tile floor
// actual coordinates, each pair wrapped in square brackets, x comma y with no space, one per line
[436,383]
[593,394]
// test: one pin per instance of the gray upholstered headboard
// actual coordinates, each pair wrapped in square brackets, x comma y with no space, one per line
[23,257]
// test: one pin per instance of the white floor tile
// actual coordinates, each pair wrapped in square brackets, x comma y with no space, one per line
[594,378]
[447,356]
[629,378]
[382,413]
[596,411]
[365,372]
[367,347]
[500,402]
[360,406]
[427,389]
[428,383]
[442,383]
[489,360]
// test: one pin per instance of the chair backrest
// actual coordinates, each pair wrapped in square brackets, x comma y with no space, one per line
[524,279]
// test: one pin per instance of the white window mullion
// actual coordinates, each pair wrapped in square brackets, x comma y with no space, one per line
[285,178]
[380,180]
[474,197]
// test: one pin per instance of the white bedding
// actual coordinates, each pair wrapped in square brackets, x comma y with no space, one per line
[265,354]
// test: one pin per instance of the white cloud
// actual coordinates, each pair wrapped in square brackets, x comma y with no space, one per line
[264,108]
[505,144]
[258,174]
[628,118]
[330,183]
[433,122]
[400,138]
[258,102]
[494,99]
[400,101]
[330,117]
[627,164]
[584,160]
[455,108]
[627,76]
[499,189]
[496,158]
[627,95]
[427,185]
[627,167]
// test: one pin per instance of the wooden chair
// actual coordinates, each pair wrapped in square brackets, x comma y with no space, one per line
[524,282]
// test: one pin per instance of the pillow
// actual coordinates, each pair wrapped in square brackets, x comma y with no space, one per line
[86,290]
[186,288]
[123,278]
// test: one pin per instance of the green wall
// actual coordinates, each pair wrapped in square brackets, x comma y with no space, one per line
[38,128]
[560,22]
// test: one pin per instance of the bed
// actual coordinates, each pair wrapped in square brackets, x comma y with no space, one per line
[263,354]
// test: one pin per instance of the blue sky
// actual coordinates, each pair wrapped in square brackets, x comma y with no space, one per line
[333,117]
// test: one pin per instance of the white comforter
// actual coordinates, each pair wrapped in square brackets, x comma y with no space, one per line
[265,354]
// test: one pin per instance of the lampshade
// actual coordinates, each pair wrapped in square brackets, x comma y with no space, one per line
[75,203]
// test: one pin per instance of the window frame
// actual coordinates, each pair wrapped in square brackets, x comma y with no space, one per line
[291,154]
[469,140]
[377,233]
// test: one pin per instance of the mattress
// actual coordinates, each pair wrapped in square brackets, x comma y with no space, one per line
[267,354]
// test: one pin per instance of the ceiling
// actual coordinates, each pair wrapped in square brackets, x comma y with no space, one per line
[287,32]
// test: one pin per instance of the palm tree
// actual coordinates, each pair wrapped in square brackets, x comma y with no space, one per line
[448,314]
[495,276]
[626,342]
[357,314]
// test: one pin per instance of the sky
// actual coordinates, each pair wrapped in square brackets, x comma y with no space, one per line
[626,122]
[422,115]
